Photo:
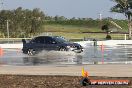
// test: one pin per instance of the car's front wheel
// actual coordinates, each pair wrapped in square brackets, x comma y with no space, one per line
[31,52]
[62,49]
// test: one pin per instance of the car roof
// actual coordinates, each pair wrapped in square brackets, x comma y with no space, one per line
[42,36]
[49,36]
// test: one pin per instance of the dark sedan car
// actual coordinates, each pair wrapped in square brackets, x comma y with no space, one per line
[56,43]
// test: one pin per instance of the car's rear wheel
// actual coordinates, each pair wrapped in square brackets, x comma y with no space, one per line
[31,52]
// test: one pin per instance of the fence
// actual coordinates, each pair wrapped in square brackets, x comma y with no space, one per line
[86,38]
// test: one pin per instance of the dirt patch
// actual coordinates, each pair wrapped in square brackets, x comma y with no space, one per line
[34,81]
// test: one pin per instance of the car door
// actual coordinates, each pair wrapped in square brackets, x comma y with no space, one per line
[37,43]
[50,44]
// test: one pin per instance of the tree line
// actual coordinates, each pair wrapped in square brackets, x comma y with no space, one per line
[86,22]
[22,22]
[27,23]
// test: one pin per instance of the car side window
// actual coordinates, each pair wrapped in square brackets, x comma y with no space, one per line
[48,40]
[39,40]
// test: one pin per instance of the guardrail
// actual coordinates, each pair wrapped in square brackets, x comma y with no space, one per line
[12,40]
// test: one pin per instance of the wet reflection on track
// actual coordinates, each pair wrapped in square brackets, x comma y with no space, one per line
[53,57]
[15,57]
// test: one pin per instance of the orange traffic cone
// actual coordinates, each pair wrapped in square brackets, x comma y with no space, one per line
[84,73]
[1,52]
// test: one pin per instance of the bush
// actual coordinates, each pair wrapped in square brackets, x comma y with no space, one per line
[108,37]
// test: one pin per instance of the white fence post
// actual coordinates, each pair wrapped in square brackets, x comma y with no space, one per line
[125,36]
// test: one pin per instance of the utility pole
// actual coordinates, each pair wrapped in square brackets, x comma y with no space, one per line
[100,16]
[7,27]
[100,19]
[1,4]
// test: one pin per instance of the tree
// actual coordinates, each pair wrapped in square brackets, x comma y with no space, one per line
[125,7]
[106,28]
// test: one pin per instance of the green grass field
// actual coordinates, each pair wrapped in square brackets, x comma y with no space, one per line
[70,28]
[72,33]
[75,32]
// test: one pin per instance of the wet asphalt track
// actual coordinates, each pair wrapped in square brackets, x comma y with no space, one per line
[91,54]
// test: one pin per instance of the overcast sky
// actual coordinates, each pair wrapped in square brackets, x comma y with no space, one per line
[67,8]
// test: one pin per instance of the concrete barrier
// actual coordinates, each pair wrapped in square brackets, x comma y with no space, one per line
[115,42]
[10,46]
[106,42]
[83,43]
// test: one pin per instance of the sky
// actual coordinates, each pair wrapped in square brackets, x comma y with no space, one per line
[67,8]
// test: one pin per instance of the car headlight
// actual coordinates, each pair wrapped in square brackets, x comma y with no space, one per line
[68,46]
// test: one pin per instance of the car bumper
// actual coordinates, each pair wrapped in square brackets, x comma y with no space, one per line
[76,50]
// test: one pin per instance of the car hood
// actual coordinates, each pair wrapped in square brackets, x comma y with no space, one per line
[71,44]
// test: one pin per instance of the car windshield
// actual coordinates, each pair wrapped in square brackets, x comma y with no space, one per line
[59,39]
